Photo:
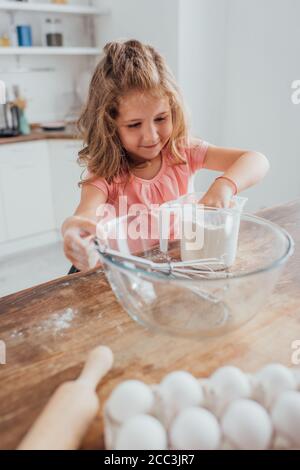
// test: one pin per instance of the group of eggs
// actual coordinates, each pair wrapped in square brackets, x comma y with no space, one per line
[228,410]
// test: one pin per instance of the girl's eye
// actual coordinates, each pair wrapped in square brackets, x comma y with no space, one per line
[131,126]
[137,124]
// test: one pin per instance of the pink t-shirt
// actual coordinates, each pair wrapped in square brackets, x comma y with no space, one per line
[169,183]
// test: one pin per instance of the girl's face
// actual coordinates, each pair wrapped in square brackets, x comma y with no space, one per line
[144,124]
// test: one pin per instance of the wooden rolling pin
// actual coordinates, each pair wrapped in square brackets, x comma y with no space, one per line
[69,412]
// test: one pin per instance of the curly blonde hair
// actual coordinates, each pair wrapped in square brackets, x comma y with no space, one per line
[125,66]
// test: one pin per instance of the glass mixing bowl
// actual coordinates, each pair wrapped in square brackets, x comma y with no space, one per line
[217,301]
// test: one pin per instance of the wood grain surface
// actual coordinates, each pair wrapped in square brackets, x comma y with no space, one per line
[49,329]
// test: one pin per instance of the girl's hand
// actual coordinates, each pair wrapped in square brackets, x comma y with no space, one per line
[78,233]
[219,194]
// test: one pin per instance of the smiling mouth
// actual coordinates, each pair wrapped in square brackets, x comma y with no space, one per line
[150,146]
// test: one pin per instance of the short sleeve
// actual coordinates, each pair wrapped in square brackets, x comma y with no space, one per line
[101,184]
[196,154]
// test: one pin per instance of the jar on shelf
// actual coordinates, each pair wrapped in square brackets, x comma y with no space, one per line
[4,40]
[53,32]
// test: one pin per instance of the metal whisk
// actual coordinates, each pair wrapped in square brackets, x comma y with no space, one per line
[177,270]
[203,268]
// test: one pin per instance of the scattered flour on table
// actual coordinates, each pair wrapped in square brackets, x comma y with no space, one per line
[16,334]
[57,322]
[60,320]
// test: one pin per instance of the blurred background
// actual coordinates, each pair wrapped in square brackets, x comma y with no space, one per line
[235,60]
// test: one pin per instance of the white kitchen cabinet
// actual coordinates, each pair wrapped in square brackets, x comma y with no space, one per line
[25,188]
[3,233]
[65,175]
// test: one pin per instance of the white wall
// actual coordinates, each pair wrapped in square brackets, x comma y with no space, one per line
[202,47]
[202,70]
[155,22]
[262,61]
[238,59]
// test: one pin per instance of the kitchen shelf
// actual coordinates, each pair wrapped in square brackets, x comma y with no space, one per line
[53,8]
[50,50]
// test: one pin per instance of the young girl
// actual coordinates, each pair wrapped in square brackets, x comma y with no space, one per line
[137,145]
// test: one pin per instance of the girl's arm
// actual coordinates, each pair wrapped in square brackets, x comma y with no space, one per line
[78,229]
[243,168]
[91,197]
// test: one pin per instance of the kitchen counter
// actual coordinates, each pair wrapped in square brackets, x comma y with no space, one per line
[49,329]
[37,133]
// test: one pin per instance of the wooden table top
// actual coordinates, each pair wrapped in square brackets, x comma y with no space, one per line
[49,329]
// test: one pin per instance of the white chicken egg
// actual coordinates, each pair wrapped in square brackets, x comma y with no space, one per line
[226,384]
[177,390]
[141,432]
[247,425]
[195,429]
[182,388]
[130,398]
[270,382]
[286,416]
